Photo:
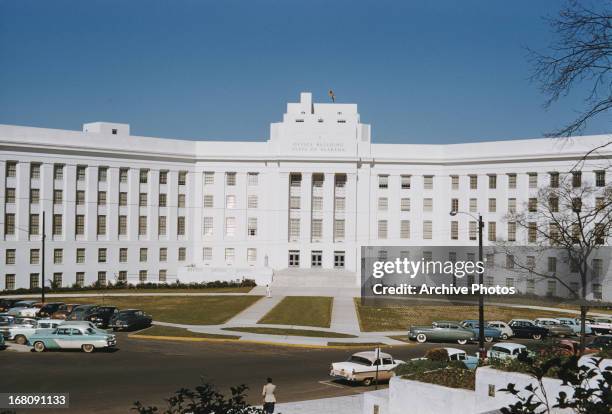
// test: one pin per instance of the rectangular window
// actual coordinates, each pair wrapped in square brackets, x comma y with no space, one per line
[383,203]
[142,276]
[294,229]
[57,225]
[9,223]
[34,171]
[454,182]
[252,226]
[473,182]
[405,204]
[163,254]
[532,232]
[57,279]
[101,255]
[427,230]
[428,204]
[295,180]
[79,227]
[161,226]
[58,172]
[405,229]
[597,268]
[209,178]
[294,258]
[142,225]
[163,200]
[316,258]
[207,254]
[294,202]
[163,177]
[551,288]
[34,256]
[428,182]
[34,196]
[101,198]
[509,261]
[317,180]
[230,201]
[34,224]
[533,180]
[339,258]
[143,254]
[383,181]
[253,179]
[123,254]
[80,255]
[454,230]
[553,204]
[230,226]
[142,199]
[208,201]
[512,181]
[182,178]
[122,225]
[317,203]
[9,196]
[554,179]
[576,179]
[163,275]
[552,264]
[252,201]
[230,254]
[34,280]
[57,196]
[251,255]
[511,231]
[382,229]
[338,230]
[492,181]
[80,279]
[143,176]
[11,169]
[512,205]
[405,181]
[533,205]
[454,204]
[317,229]
[123,198]
[180,225]
[10,257]
[230,179]
[492,231]
[102,174]
[600,178]
[492,205]
[473,205]
[80,198]
[181,201]
[207,226]
[597,291]
[473,230]
[101,225]
[9,279]
[123,175]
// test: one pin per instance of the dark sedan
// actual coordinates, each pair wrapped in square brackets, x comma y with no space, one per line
[130,319]
[524,328]
[48,309]
[603,342]
[6,304]
[102,316]
[81,312]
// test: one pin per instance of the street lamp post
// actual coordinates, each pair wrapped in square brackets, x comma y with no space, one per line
[44,234]
[481,335]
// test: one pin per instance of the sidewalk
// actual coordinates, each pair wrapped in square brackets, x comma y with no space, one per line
[255,312]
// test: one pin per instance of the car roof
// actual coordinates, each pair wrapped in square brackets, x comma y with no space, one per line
[522,320]
[50,320]
[510,345]
[453,351]
[371,355]
[497,322]
[453,322]
[547,319]
[565,319]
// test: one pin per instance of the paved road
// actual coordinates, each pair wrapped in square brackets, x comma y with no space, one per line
[151,370]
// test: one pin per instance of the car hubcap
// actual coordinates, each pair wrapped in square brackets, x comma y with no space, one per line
[421,338]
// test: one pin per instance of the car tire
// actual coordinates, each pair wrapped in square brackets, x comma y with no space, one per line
[88,348]
[421,338]
[368,381]
[462,341]
[537,337]
[39,346]
[488,339]
[597,333]
[504,337]
[21,340]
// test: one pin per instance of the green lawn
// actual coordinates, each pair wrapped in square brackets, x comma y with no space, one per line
[152,291]
[157,330]
[189,310]
[291,332]
[399,318]
[301,310]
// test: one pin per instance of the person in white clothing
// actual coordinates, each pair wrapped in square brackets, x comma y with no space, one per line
[268,397]
[268,291]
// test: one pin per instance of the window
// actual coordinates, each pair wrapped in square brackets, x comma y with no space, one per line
[10,257]
[208,201]
[294,229]
[144,176]
[80,256]
[142,199]
[34,256]
[428,182]
[340,180]
[473,230]
[9,280]
[554,179]
[230,201]
[58,172]
[11,169]
[123,254]
[123,175]
[532,205]
[101,255]
[512,205]
[230,179]
[533,180]
[553,204]
[34,227]
[511,231]
[317,229]
[163,254]
[492,205]
[473,205]
[102,174]
[57,224]
[163,274]
[551,288]
[34,171]
[253,179]
[80,198]
[597,291]
[209,178]
[454,182]
[230,226]
[80,279]
[405,204]
[600,178]
[428,204]
[552,264]
[473,182]
[122,225]
[163,177]
[143,254]
[34,196]
[181,201]
[10,196]
[383,181]
[316,258]
[79,227]
[101,198]
[382,229]
[57,196]
[317,203]
[182,254]
[182,178]
[207,253]
[180,225]
[454,230]
[492,231]
[161,226]
[532,232]
[383,204]
[294,202]
[577,204]
[294,258]
[338,229]
[597,268]
[252,201]
[34,280]
[251,255]
[492,181]
[207,226]
[454,204]
[101,225]
[576,179]
[230,254]
[405,229]
[405,181]
[512,181]
[57,279]
[600,203]
[142,225]
[81,170]
[252,226]
[317,180]
[554,234]
[509,261]
[295,180]
[142,276]
[530,286]
[427,230]
[9,223]
[163,200]
[123,198]
[339,260]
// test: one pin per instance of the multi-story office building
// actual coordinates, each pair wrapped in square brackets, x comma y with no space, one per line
[119,206]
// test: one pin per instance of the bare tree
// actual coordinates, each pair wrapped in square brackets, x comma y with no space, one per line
[581,54]
[572,220]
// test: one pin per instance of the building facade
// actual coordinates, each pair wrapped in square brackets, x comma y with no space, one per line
[136,208]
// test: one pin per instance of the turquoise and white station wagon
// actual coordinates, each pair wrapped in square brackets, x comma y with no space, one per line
[72,337]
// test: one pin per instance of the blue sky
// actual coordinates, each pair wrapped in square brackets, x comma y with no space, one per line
[420,71]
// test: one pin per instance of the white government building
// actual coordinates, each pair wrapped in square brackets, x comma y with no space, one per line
[120,206]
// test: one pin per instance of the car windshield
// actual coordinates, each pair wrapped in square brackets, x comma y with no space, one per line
[360,360]
[90,331]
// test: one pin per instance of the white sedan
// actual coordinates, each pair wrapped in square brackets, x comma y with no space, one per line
[506,330]
[365,367]
[506,350]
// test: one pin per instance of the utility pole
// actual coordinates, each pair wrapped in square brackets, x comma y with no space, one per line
[44,235]
[481,336]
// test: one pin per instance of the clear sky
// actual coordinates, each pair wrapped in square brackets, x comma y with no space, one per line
[420,71]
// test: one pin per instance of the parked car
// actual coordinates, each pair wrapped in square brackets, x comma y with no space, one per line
[524,328]
[25,308]
[72,337]
[490,333]
[575,325]
[570,347]
[81,312]
[504,328]
[506,350]
[555,328]
[600,325]
[602,342]
[102,316]
[6,321]
[64,310]
[48,309]
[87,324]
[21,333]
[361,367]
[441,331]
[6,304]
[130,319]
[455,354]
[2,344]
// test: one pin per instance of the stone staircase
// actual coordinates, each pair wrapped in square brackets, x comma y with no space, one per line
[312,282]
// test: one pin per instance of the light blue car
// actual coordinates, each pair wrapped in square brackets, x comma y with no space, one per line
[72,337]
[575,325]
[490,334]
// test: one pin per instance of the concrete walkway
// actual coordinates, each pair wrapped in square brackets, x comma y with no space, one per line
[344,315]
[255,312]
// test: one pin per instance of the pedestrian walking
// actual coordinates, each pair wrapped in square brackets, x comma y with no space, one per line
[268,291]
[268,397]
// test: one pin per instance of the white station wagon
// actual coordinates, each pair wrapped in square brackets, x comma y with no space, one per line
[21,333]
[361,367]
[506,350]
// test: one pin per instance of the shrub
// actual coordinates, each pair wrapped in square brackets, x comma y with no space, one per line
[448,377]
[437,354]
